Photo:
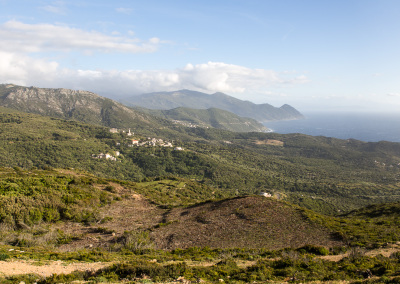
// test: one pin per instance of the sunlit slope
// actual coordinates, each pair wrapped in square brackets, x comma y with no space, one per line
[253,222]
[198,100]
[211,117]
[324,174]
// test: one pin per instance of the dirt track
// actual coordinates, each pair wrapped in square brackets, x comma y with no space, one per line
[15,267]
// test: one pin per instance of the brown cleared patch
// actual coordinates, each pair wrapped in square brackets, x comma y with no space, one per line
[252,222]
[71,172]
[134,212]
[269,142]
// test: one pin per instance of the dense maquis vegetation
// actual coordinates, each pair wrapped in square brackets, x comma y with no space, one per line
[323,174]
[36,196]
[57,195]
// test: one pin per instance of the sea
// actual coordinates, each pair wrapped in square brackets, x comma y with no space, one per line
[368,127]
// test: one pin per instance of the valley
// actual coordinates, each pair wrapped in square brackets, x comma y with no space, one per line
[173,197]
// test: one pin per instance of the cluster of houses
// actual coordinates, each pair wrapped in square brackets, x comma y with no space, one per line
[384,165]
[116,130]
[152,142]
[106,156]
[149,142]
[187,123]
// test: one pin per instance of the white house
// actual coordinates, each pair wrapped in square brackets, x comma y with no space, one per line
[113,130]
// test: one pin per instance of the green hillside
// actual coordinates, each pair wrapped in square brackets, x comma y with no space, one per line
[322,174]
[77,218]
[156,213]
[211,117]
[80,106]
[250,221]
[198,100]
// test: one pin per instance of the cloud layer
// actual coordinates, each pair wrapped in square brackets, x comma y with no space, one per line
[23,44]
[209,77]
[20,37]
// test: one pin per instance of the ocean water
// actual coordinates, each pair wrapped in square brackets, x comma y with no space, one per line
[364,127]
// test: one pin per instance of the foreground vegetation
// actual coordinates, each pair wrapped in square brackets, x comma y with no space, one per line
[305,264]
[155,214]
[36,228]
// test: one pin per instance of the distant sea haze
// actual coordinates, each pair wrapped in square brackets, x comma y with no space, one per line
[361,126]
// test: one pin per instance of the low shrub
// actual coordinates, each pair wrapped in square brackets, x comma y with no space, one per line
[4,256]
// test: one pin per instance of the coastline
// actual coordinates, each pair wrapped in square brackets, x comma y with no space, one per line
[361,126]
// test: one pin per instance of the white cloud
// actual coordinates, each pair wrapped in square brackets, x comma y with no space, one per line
[28,38]
[127,11]
[57,7]
[208,77]
[19,41]
[54,9]
[396,95]
[24,70]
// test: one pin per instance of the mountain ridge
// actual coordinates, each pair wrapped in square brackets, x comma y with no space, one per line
[91,108]
[78,105]
[212,117]
[198,100]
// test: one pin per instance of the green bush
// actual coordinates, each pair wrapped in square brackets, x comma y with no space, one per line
[137,241]
[314,250]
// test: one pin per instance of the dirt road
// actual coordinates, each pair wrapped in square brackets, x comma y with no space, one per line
[15,267]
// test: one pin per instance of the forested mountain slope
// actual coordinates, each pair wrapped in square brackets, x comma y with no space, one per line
[324,174]
[90,108]
[81,106]
[212,117]
[198,100]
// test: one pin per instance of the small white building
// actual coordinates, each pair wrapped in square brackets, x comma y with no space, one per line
[113,130]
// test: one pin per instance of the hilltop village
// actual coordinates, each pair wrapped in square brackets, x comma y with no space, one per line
[135,142]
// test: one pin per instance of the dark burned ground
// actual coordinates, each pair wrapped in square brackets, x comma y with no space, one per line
[252,222]
[248,222]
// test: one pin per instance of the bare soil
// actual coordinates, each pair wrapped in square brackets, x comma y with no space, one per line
[269,142]
[386,251]
[17,267]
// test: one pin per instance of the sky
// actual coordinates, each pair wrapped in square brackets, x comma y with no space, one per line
[316,55]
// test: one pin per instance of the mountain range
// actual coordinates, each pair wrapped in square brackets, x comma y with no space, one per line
[70,104]
[212,117]
[91,108]
[199,100]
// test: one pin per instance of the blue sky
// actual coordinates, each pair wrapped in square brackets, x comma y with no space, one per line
[312,54]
